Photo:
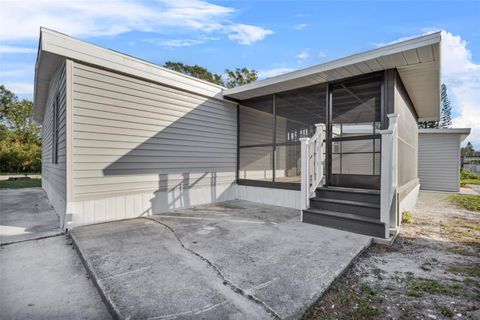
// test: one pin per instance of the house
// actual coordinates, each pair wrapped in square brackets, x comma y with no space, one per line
[123,137]
[439,158]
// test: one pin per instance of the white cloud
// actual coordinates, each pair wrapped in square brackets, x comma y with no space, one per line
[247,34]
[175,43]
[15,49]
[462,78]
[112,17]
[322,54]
[19,87]
[304,54]
[300,26]
[263,74]
[16,70]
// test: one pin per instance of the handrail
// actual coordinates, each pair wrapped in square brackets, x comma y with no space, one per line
[311,165]
[389,171]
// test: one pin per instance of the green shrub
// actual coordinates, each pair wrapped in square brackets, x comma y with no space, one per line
[465,174]
[406,217]
[19,157]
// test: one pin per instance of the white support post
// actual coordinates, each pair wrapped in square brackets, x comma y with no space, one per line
[388,184]
[304,184]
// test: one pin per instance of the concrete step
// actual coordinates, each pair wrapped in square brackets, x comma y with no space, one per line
[362,208]
[345,221]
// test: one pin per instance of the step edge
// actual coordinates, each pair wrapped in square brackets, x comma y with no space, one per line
[351,202]
[349,190]
[344,215]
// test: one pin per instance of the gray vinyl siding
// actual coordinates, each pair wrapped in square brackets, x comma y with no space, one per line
[131,136]
[439,162]
[407,142]
[54,175]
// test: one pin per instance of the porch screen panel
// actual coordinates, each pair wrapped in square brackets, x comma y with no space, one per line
[296,113]
[356,118]
[256,147]
[256,122]
[270,130]
[256,163]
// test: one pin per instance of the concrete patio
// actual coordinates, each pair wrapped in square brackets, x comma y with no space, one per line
[233,260]
[26,214]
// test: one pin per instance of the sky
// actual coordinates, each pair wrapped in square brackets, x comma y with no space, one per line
[272,37]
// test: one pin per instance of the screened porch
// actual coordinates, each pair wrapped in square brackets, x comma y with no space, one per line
[271,126]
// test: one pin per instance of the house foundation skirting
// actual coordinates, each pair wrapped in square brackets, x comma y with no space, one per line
[409,200]
[120,207]
[130,206]
[56,198]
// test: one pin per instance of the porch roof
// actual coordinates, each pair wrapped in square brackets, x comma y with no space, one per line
[463,132]
[417,61]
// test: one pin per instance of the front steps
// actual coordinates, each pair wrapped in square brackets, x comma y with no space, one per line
[354,210]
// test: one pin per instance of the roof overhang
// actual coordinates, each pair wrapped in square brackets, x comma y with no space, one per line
[463,132]
[54,47]
[417,61]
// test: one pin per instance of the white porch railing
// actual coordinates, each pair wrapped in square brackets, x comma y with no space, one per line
[311,165]
[389,169]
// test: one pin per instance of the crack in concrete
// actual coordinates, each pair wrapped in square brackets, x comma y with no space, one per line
[226,282]
[33,239]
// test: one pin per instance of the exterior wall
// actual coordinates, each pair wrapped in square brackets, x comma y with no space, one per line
[54,175]
[140,148]
[276,197]
[407,142]
[439,162]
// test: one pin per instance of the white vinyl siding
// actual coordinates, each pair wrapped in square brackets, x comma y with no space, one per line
[439,162]
[54,170]
[140,147]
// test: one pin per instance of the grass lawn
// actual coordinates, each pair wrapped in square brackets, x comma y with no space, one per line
[467,201]
[470,181]
[17,184]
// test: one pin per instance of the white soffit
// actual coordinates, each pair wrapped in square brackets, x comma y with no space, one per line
[417,61]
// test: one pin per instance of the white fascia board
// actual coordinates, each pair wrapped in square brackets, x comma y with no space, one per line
[426,40]
[463,132]
[75,49]
[446,130]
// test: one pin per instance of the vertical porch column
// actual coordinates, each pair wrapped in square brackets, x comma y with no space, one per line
[388,184]
[304,183]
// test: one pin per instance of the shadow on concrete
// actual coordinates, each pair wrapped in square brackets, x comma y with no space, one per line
[26,214]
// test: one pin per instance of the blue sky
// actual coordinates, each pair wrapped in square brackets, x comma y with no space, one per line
[269,36]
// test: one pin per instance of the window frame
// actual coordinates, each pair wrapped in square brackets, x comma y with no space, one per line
[55,129]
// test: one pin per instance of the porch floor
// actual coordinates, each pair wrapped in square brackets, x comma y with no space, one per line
[235,259]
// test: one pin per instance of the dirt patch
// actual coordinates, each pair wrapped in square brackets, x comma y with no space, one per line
[432,271]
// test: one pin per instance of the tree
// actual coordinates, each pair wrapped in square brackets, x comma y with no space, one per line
[20,143]
[428,124]
[195,71]
[446,109]
[239,77]
[445,113]
[468,150]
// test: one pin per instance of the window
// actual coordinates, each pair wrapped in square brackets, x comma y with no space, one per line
[55,129]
